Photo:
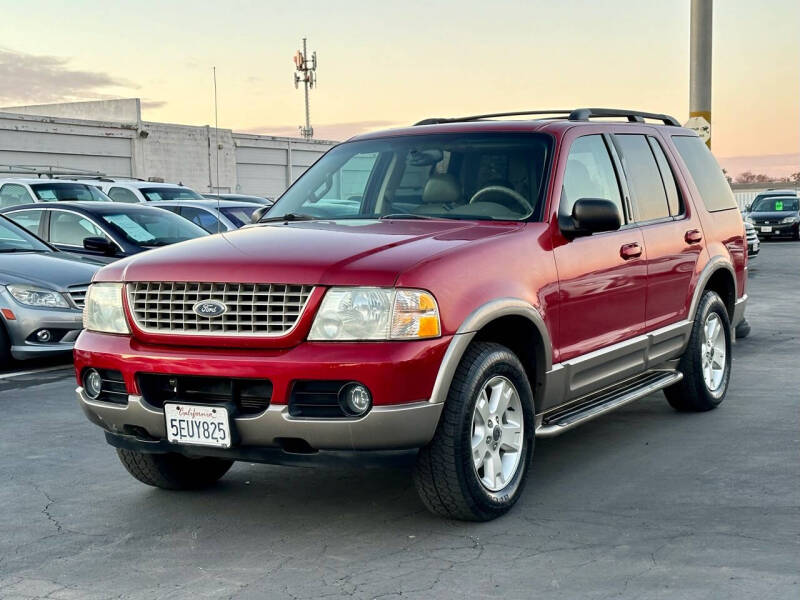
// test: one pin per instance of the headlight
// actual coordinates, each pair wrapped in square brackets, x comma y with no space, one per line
[370,313]
[749,220]
[103,310]
[31,295]
[789,220]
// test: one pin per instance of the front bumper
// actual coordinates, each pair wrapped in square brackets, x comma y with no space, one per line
[383,428]
[66,323]
[400,376]
[777,229]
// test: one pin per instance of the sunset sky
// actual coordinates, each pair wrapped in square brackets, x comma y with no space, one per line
[387,63]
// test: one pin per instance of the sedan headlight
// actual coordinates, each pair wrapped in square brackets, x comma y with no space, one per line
[31,295]
[103,310]
[371,313]
[749,220]
[789,220]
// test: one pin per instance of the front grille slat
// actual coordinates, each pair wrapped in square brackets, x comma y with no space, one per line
[253,309]
[77,294]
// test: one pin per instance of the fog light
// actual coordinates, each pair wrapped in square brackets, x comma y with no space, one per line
[92,384]
[355,399]
[44,335]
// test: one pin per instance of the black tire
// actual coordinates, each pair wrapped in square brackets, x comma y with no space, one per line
[446,480]
[692,393]
[173,471]
[796,233]
[743,329]
[5,348]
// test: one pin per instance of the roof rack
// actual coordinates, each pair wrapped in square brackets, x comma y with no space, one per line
[577,114]
[48,171]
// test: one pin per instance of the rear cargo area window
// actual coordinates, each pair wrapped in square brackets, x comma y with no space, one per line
[706,172]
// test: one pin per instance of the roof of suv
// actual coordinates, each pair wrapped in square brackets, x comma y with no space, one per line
[551,120]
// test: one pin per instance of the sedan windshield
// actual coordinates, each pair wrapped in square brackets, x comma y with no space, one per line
[239,215]
[486,176]
[15,239]
[776,204]
[169,193]
[53,192]
[153,227]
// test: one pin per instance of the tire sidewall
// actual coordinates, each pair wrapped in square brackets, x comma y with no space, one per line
[712,303]
[503,363]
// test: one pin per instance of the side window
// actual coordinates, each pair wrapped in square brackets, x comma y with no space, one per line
[707,174]
[201,217]
[589,174]
[12,194]
[644,179]
[118,194]
[70,229]
[668,178]
[29,219]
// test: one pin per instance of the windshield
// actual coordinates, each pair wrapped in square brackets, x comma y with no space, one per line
[54,192]
[169,193]
[239,215]
[485,176]
[156,228]
[775,204]
[15,239]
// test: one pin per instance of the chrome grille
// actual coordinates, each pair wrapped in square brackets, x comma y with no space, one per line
[260,309]
[78,294]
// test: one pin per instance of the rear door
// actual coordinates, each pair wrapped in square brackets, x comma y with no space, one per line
[672,235]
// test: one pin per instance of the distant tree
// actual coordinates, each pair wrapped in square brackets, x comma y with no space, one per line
[728,177]
[750,177]
[794,177]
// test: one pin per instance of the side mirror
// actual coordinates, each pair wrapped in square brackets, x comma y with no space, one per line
[590,215]
[99,244]
[258,213]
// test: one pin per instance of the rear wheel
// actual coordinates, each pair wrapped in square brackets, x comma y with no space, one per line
[173,471]
[475,467]
[706,363]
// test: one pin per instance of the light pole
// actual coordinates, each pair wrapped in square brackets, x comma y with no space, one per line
[307,73]
[700,69]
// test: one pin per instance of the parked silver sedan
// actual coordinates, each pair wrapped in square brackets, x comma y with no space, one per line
[41,295]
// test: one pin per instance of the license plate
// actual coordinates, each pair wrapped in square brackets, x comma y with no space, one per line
[766,229]
[198,425]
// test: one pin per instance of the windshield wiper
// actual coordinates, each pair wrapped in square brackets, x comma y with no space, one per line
[409,216]
[289,217]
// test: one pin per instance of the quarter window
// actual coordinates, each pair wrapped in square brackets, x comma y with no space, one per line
[29,219]
[118,194]
[589,174]
[12,194]
[707,174]
[644,179]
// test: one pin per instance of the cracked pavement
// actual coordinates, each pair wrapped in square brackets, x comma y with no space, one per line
[644,503]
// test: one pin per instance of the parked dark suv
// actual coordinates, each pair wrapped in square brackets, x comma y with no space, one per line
[454,289]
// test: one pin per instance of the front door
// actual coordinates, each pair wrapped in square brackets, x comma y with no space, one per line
[602,277]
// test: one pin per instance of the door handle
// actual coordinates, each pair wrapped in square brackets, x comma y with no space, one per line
[693,236]
[629,251]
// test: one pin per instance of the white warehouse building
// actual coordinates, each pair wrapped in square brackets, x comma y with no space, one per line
[109,136]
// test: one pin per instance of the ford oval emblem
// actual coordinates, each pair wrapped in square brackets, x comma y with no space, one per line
[209,308]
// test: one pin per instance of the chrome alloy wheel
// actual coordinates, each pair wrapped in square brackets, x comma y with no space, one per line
[497,433]
[713,352]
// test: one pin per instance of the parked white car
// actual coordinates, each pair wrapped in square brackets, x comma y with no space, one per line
[136,190]
[17,190]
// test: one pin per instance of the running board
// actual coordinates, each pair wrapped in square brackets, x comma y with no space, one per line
[600,403]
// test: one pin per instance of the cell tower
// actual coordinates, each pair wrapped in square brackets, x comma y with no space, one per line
[306,71]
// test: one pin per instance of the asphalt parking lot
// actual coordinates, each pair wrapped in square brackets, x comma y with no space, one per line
[644,503]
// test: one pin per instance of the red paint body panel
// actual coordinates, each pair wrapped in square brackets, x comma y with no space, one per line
[395,372]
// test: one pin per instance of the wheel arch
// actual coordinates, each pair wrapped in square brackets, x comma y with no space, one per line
[720,277]
[511,322]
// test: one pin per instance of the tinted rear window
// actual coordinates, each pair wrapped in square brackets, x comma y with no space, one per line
[707,174]
[644,178]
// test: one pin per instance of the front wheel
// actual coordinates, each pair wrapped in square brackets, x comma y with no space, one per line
[173,471]
[475,467]
[706,362]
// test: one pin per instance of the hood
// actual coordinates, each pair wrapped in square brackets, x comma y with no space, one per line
[50,270]
[359,252]
[773,215]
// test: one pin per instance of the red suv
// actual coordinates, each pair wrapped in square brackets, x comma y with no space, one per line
[455,289]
